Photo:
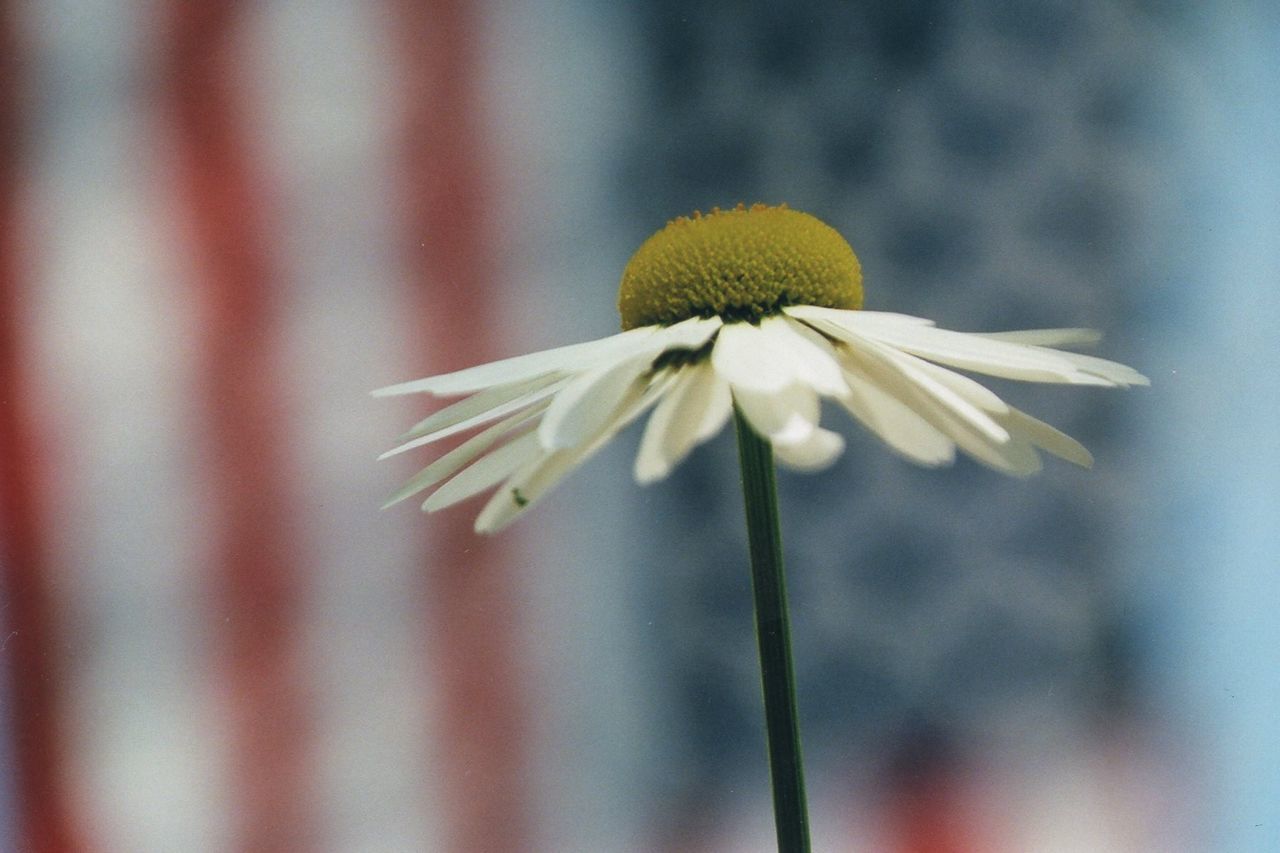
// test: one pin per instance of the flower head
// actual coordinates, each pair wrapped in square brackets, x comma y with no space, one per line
[754,308]
[740,264]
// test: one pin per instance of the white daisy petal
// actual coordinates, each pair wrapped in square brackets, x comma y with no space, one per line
[1039,433]
[583,407]
[461,455]
[479,403]
[516,495]
[717,410]
[524,367]
[1013,456]
[1112,371]
[788,416]
[486,472]
[589,401]
[1017,457]
[947,401]
[1047,337]
[694,409]
[687,334]
[986,355]
[999,354]
[971,429]
[812,362]
[535,479]
[811,334]
[979,395]
[924,382]
[818,451]
[769,357]
[895,422]
[1002,358]
[497,411]
[747,357]
[951,403]
[888,319]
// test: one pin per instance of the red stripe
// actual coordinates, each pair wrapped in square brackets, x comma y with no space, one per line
[257,585]
[470,579]
[930,807]
[33,639]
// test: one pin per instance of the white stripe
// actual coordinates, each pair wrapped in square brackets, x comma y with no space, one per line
[329,105]
[562,80]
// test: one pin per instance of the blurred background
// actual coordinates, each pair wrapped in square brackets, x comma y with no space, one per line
[223,223]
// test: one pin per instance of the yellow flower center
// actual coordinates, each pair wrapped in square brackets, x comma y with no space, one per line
[740,264]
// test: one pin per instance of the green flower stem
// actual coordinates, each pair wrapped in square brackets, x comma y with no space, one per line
[773,632]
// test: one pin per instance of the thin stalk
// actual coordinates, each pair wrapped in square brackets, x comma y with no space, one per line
[773,633]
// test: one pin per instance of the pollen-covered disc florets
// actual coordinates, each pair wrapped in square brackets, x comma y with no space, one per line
[740,264]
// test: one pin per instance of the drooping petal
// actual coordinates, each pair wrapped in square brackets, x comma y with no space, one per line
[977,394]
[479,403]
[529,398]
[526,485]
[774,355]
[1018,457]
[574,357]
[986,355]
[924,382]
[950,402]
[586,403]
[718,408]
[461,455]
[1047,337]
[486,472]
[747,357]
[902,350]
[694,409]
[1112,372]
[900,426]
[788,416]
[581,409]
[960,420]
[887,319]
[811,362]
[688,334]
[536,478]
[1000,354]
[1040,434]
[816,452]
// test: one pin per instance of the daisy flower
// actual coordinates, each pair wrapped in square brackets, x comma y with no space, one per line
[755,309]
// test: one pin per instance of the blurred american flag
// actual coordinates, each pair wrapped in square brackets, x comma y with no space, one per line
[223,223]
